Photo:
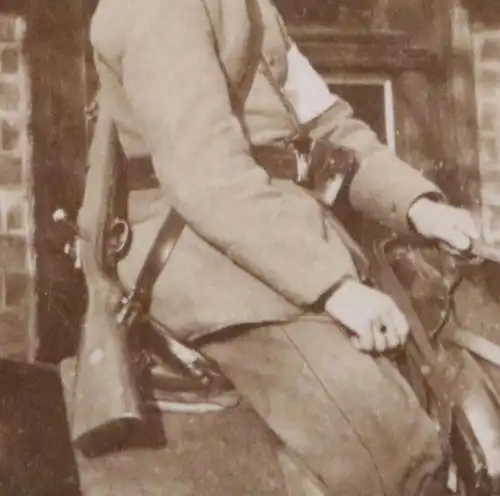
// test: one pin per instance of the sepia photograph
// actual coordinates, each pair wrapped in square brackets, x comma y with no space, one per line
[249,247]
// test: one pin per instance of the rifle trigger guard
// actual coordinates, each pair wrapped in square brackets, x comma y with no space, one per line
[120,237]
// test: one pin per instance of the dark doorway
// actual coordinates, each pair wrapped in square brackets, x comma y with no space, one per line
[59,55]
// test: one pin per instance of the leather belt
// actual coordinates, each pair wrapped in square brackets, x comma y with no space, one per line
[280,162]
[323,161]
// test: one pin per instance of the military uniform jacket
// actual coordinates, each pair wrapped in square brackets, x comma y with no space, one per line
[174,76]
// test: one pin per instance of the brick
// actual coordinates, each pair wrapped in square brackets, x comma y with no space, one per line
[494,211]
[489,118]
[10,60]
[16,289]
[489,149]
[15,219]
[489,80]
[490,177]
[7,27]
[490,49]
[14,334]
[9,96]
[10,136]
[10,170]
[492,226]
[13,253]
[489,197]
[2,288]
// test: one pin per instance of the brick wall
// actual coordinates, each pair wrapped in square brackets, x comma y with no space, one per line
[17,267]
[486,36]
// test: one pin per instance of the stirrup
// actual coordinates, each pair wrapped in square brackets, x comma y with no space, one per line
[167,389]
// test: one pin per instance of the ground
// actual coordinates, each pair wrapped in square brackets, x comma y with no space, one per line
[222,454]
[229,453]
[211,454]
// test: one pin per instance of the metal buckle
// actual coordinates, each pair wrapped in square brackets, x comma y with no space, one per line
[302,166]
[301,147]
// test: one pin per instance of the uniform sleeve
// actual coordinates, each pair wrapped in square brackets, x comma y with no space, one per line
[385,187]
[177,88]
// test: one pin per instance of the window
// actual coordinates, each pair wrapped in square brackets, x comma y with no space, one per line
[371,97]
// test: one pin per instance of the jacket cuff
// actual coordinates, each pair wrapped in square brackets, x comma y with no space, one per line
[320,304]
[385,188]
[435,197]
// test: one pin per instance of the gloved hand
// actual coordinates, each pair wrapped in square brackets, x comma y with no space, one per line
[442,222]
[374,319]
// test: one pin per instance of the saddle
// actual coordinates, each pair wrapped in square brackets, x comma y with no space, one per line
[446,363]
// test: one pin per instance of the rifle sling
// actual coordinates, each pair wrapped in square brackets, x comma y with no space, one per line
[157,257]
[174,224]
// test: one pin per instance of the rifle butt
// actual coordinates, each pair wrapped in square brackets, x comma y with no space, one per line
[106,405]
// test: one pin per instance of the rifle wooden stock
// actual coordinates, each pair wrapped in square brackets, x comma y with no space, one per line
[105,402]
[105,396]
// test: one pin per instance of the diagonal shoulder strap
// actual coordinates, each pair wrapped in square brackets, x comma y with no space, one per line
[174,224]
[157,257]
[476,344]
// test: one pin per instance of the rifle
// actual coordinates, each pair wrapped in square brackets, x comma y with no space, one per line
[106,403]
[105,397]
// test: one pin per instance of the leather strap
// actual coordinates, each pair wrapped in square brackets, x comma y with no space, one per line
[174,224]
[418,347]
[157,257]
[279,162]
[482,347]
[360,260]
